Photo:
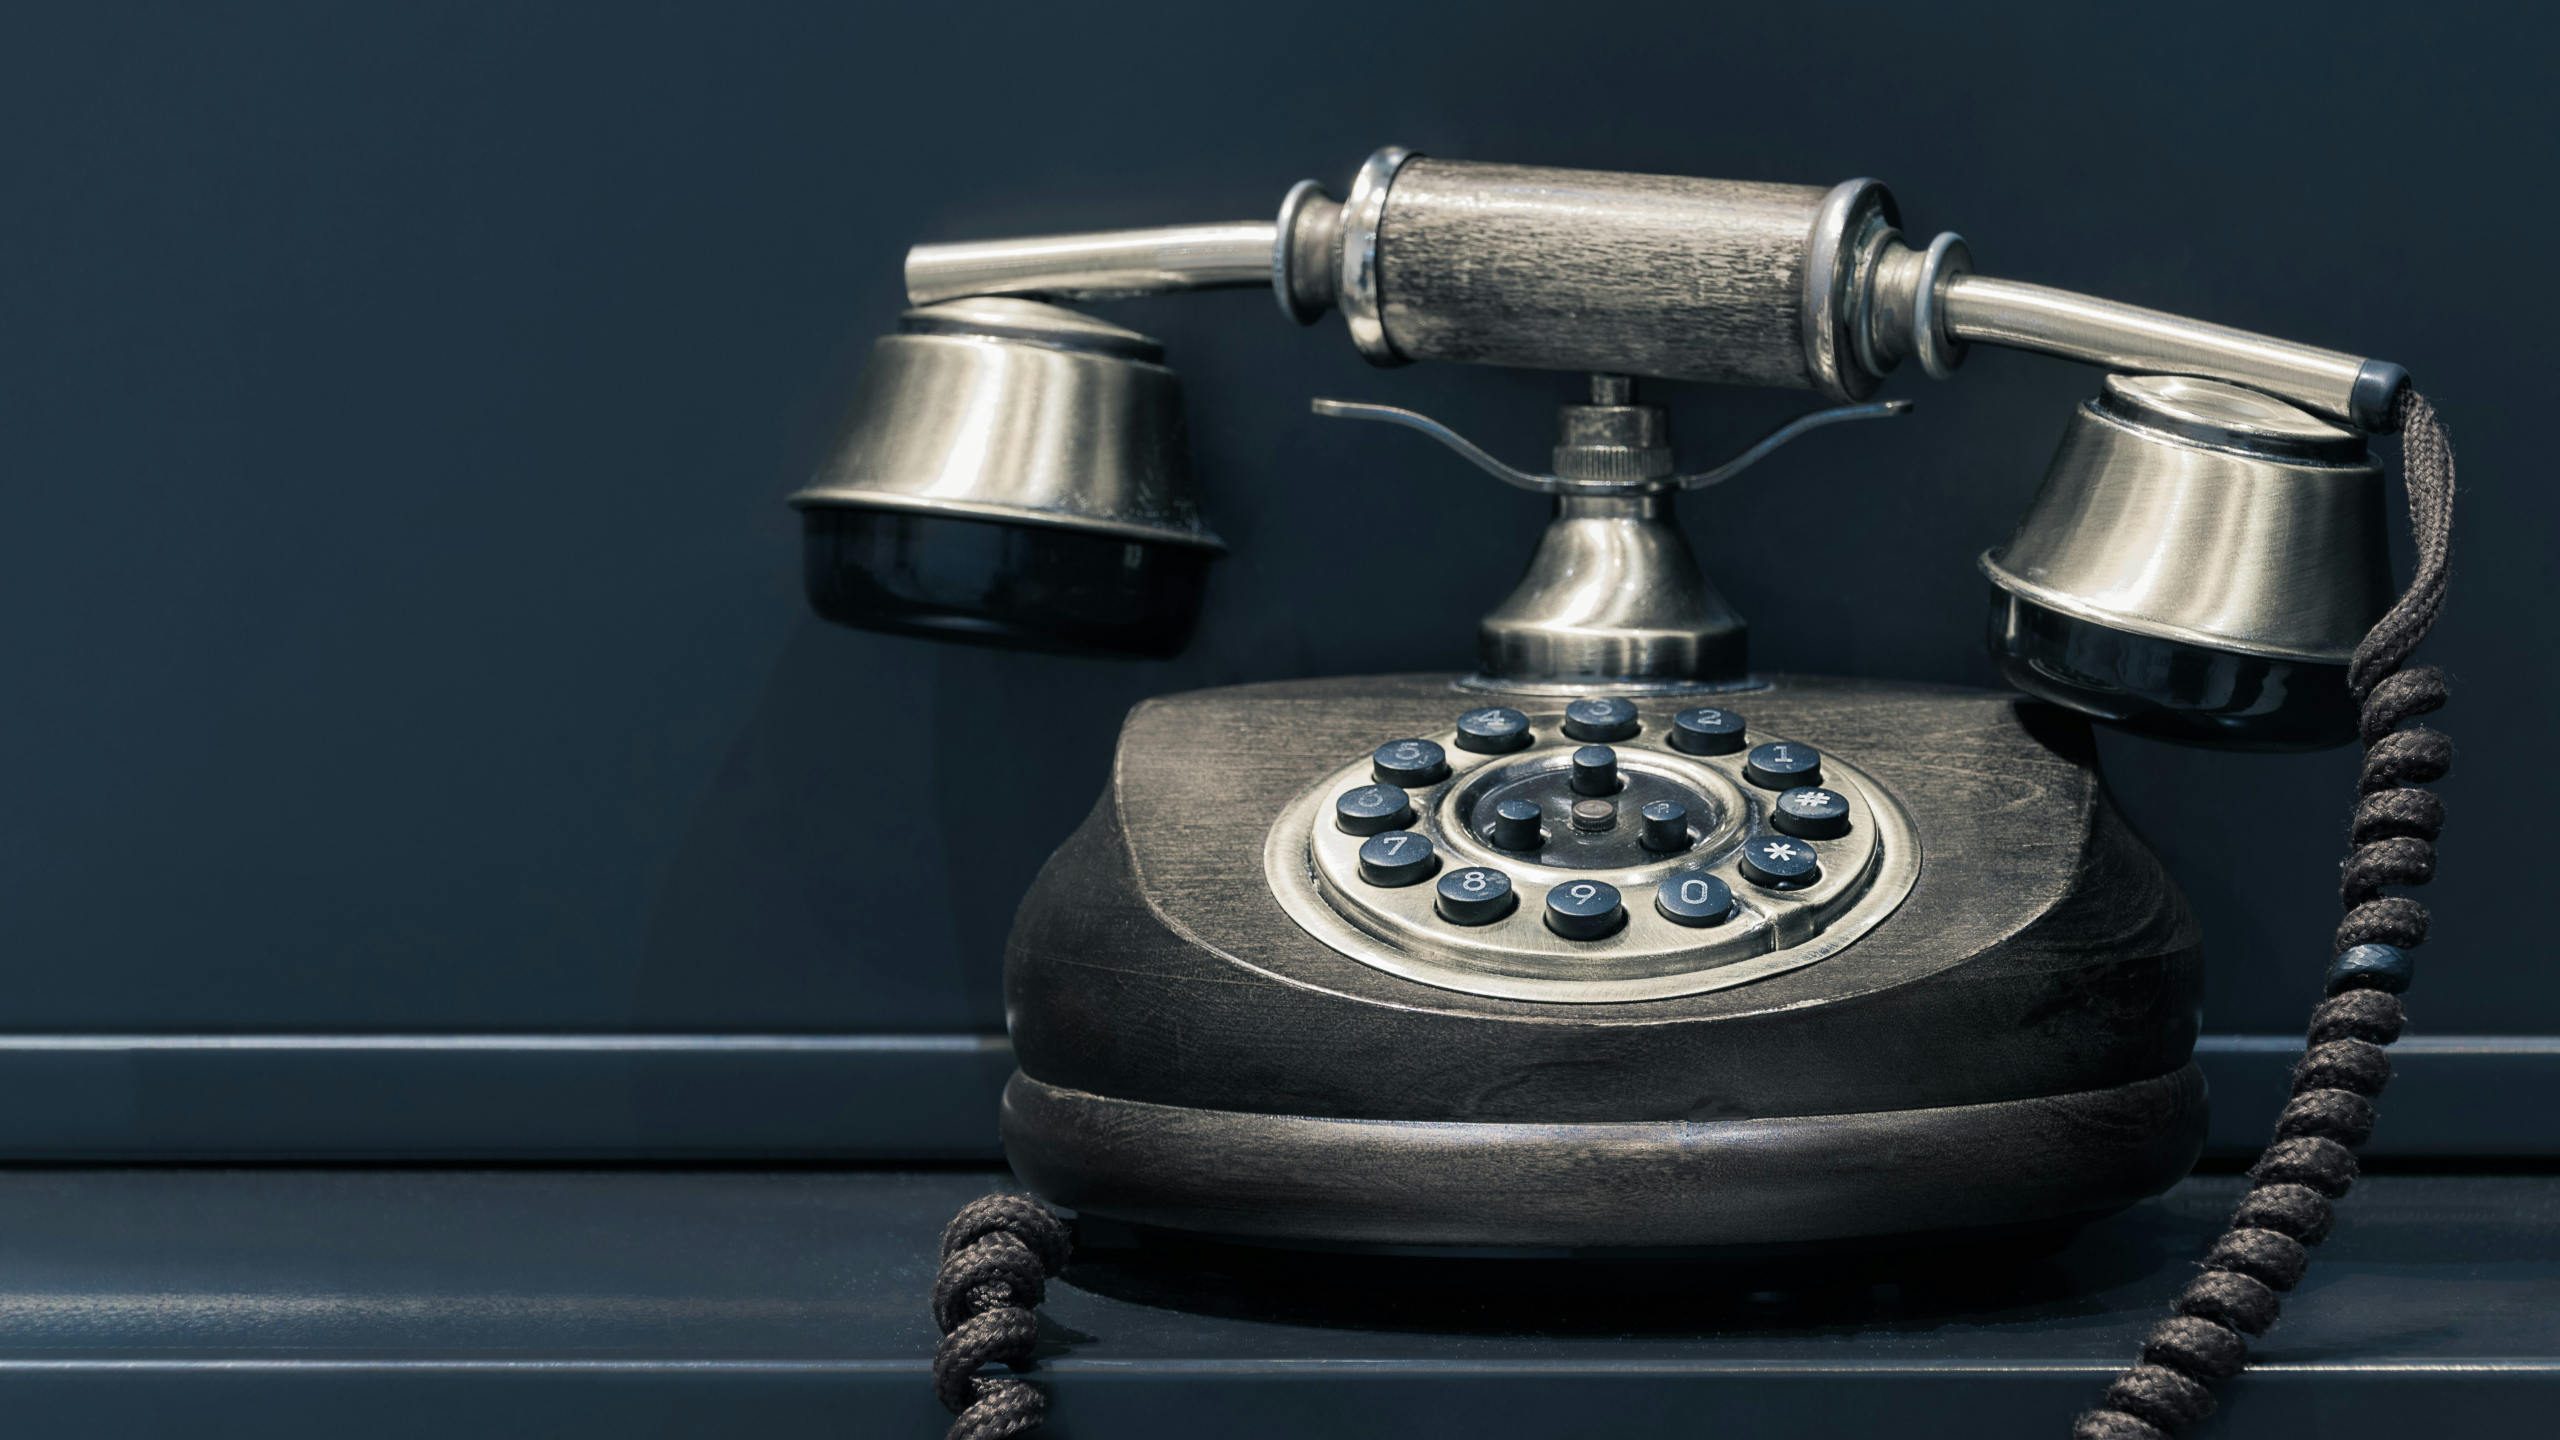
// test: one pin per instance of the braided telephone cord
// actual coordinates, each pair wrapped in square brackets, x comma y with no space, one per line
[2263,1252]
[997,1256]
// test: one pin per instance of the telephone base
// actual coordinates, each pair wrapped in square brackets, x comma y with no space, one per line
[1982,1013]
[1734,1184]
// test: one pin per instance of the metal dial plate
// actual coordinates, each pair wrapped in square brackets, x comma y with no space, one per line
[1313,869]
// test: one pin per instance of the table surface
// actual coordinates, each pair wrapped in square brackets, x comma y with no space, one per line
[687,1301]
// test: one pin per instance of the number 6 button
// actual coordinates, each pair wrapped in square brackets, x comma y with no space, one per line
[1476,896]
[1398,857]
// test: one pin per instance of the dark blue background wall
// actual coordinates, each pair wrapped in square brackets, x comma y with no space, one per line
[399,623]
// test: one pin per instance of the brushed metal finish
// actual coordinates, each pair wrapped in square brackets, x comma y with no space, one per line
[1313,870]
[2199,512]
[1591,270]
[1357,281]
[1613,593]
[1011,410]
[1100,265]
[2131,339]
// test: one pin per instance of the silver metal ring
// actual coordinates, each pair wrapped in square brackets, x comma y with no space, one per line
[1361,214]
[1838,232]
[1940,353]
[1284,252]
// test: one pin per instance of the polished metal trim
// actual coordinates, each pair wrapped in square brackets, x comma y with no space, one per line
[1838,242]
[1287,257]
[1783,931]
[1096,265]
[1940,353]
[2137,341]
[1988,562]
[1009,514]
[1362,213]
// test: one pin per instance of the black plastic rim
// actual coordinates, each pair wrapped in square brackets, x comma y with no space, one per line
[2169,689]
[993,582]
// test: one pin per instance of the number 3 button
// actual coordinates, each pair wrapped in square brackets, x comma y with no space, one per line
[1476,896]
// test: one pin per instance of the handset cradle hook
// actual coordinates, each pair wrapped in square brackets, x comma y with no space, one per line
[1561,485]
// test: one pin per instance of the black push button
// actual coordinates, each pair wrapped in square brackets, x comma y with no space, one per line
[1774,861]
[1585,910]
[1666,826]
[1782,765]
[1494,730]
[1593,817]
[1595,771]
[1810,813]
[1609,718]
[1371,809]
[1515,826]
[1397,857]
[1476,896]
[1706,731]
[1412,764]
[1694,900]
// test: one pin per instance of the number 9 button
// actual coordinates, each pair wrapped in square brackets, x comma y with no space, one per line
[1476,896]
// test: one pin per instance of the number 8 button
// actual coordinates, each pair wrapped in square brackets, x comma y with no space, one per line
[1476,896]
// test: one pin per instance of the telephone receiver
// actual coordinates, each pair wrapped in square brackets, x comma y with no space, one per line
[1613,946]
[2206,551]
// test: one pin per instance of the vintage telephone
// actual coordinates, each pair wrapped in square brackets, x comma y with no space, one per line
[1611,944]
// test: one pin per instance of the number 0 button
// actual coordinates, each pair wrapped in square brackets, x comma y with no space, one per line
[1398,857]
[1585,910]
[1476,896]
[1694,900]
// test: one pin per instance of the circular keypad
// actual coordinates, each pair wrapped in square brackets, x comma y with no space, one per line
[1509,855]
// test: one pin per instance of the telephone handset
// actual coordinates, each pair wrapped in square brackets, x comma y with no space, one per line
[1612,943]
